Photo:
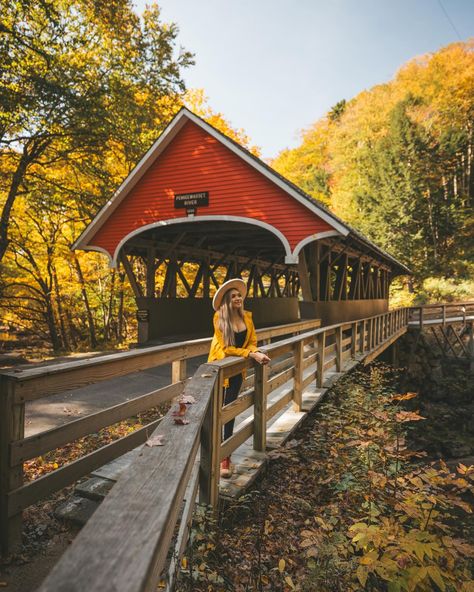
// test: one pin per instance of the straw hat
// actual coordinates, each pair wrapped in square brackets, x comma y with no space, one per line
[235,283]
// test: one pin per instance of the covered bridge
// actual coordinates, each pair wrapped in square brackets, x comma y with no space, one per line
[199,209]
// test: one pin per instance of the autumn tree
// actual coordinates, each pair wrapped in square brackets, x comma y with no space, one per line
[79,76]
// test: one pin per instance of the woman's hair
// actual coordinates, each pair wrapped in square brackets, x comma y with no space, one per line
[225,325]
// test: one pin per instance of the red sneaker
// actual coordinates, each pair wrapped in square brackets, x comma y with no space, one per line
[226,470]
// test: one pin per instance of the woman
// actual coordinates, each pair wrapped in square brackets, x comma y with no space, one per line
[234,335]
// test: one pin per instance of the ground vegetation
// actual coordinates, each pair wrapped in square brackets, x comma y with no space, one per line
[347,505]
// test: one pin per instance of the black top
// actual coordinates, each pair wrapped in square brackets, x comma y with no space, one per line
[239,337]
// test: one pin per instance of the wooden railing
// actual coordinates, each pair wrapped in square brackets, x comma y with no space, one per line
[124,546]
[430,314]
[17,387]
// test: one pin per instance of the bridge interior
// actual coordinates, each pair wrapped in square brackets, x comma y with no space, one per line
[175,269]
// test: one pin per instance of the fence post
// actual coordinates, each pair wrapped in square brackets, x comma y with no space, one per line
[298,383]
[320,365]
[211,436]
[421,318]
[178,371]
[338,348]
[444,315]
[260,408]
[12,427]
[354,339]
[362,336]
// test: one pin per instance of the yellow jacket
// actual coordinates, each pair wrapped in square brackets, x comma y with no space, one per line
[219,350]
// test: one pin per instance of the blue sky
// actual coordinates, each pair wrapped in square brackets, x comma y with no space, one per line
[273,67]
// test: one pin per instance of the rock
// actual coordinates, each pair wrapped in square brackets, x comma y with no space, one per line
[95,489]
[77,510]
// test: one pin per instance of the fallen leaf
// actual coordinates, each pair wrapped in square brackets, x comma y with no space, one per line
[181,420]
[181,411]
[155,441]
[404,397]
[281,565]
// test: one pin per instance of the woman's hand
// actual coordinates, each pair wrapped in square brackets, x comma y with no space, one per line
[260,357]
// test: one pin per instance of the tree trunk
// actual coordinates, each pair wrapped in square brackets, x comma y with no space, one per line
[90,318]
[59,306]
[51,323]
[27,157]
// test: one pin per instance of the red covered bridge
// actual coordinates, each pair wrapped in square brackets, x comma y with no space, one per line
[199,197]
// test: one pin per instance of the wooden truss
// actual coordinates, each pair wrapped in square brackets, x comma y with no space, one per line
[337,272]
[194,266]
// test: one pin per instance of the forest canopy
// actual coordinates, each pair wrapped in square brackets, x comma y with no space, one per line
[396,162]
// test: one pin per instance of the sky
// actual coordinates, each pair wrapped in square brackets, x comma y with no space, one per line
[274,67]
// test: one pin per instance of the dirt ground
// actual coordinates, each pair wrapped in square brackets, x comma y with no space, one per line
[45,538]
[26,575]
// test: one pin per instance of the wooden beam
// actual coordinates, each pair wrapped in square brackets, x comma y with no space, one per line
[150,272]
[304,277]
[137,290]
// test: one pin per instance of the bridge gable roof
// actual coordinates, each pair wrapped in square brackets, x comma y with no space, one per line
[192,156]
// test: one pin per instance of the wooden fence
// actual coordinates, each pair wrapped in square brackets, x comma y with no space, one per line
[432,314]
[17,387]
[125,545]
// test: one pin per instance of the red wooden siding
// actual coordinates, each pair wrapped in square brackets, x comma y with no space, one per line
[193,162]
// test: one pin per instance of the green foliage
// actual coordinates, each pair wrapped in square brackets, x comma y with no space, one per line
[393,517]
[347,507]
[397,163]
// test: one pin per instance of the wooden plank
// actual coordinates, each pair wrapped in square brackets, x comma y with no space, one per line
[50,439]
[339,349]
[237,407]
[12,426]
[38,382]
[234,365]
[353,338]
[40,488]
[321,361]
[298,377]
[178,371]
[330,363]
[260,407]
[238,438]
[48,380]
[280,379]
[210,438]
[280,404]
[362,337]
[310,360]
[140,512]
[308,380]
